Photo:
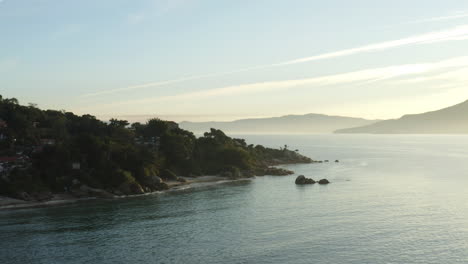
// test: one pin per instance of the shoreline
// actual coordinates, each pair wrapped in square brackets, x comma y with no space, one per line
[8,203]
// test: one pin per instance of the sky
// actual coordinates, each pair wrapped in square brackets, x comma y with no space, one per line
[202,60]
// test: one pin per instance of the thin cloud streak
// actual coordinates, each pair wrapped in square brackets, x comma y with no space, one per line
[436,19]
[363,76]
[453,34]
[457,33]
[163,83]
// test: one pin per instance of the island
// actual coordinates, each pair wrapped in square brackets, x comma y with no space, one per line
[49,153]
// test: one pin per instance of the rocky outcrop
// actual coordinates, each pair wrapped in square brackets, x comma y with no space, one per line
[278,171]
[168,175]
[34,196]
[129,188]
[154,183]
[302,180]
[93,192]
[273,171]
[235,173]
[288,157]
[309,181]
[323,181]
[180,179]
[231,173]
[23,196]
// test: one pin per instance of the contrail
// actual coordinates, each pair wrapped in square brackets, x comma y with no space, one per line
[457,33]
[441,18]
[362,76]
[453,34]
[162,83]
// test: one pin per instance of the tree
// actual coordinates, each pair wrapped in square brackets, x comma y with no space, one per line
[118,123]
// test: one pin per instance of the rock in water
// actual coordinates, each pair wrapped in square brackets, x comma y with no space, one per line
[323,181]
[309,181]
[301,180]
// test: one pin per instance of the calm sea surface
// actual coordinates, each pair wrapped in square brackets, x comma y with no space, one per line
[393,199]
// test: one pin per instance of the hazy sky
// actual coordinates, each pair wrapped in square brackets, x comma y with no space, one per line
[222,60]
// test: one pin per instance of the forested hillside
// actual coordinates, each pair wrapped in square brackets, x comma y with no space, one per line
[56,151]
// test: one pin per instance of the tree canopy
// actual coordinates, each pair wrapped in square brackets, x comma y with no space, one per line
[116,153]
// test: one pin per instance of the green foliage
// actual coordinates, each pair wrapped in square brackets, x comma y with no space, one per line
[111,154]
[123,176]
[168,175]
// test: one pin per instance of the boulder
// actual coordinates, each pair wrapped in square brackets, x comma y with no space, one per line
[180,179]
[226,174]
[23,196]
[43,196]
[168,175]
[163,186]
[231,173]
[323,181]
[301,180]
[130,188]
[152,181]
[309,181]
[337,161]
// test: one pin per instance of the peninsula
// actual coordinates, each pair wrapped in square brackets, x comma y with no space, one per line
[44,153]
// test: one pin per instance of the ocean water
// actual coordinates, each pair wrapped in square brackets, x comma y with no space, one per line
[393,199]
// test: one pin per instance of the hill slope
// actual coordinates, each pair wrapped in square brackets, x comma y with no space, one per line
[450,120]
[310,123]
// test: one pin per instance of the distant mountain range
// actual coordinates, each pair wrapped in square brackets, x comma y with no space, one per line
[451,120]
[290,124]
